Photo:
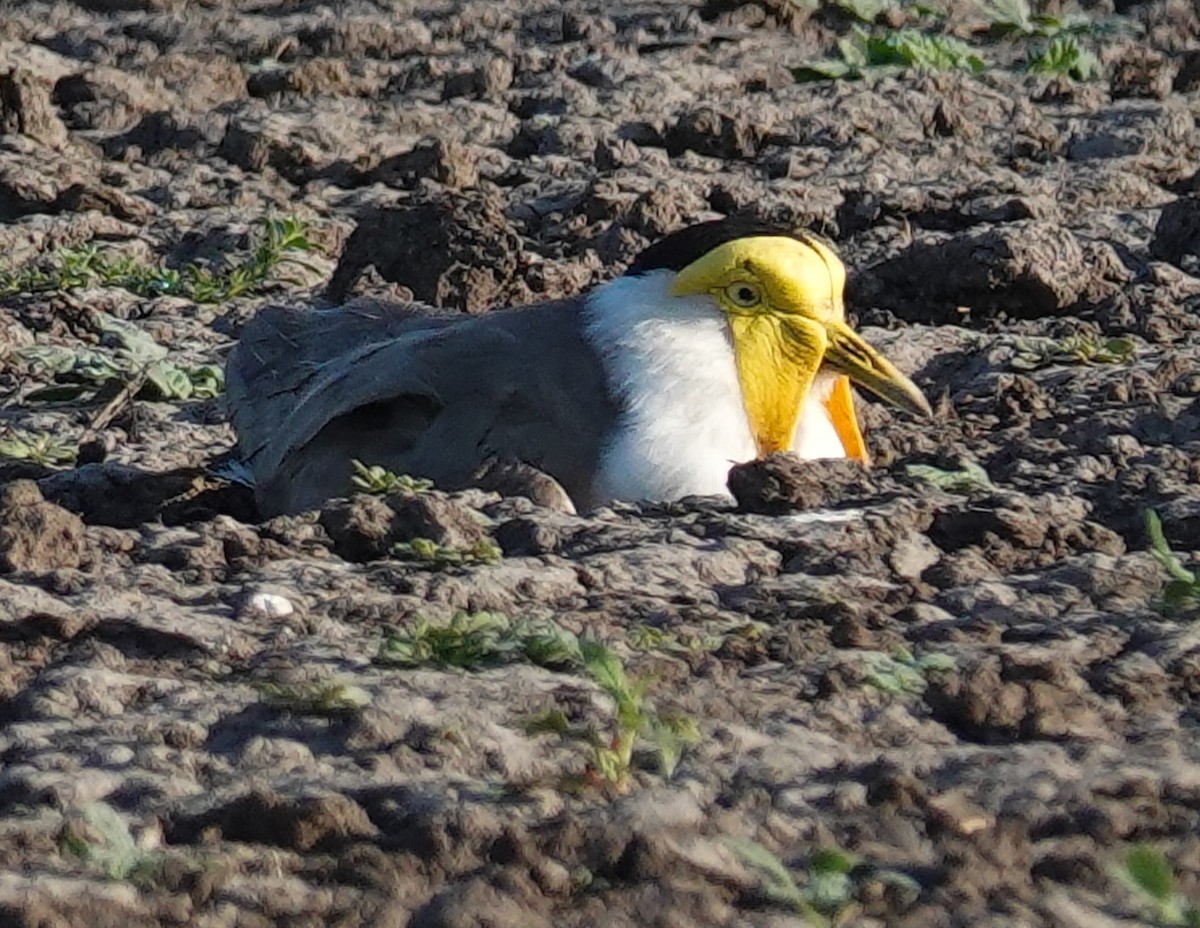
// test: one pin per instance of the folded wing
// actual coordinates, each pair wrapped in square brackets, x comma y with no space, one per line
[431,395]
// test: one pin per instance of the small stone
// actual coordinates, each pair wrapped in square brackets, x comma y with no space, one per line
[271,605]
[953,810]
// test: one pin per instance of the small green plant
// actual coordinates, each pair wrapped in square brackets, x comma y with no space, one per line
[98,375]
[1183,586]
[319,697]
[902,674]
[482,639]
[969,478]
[430,554]
[1009,16]
[99,836]
[833,879]
[1016,18]
[612,751]
[1074,349]
[38,447]
[280,243]
[611,756]
[865,10]
[863,53]
[1065,56]
[379,480]
[1148,873]
[652,638]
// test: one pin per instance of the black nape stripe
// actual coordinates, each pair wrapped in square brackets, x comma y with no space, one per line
[676,251]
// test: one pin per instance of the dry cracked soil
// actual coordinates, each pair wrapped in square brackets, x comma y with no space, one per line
[956,670]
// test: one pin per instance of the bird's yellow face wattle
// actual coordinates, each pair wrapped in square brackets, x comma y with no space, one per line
[782,297]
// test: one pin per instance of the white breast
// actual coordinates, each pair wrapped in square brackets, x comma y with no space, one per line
[670,361]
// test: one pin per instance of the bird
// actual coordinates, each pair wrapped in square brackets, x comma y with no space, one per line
[723,342]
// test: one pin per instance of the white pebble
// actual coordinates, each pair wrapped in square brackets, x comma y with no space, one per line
[270,605]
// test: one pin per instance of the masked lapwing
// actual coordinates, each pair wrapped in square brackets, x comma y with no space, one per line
[723,342]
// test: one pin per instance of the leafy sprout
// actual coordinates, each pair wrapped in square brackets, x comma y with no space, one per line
[38,447]
[778,884]
[1183,585]
[322,698]
[969,478]
[652,638]
[1149,874]
[1009,16]
[612,754]
[832,881]
[97,375]
[1015,17]
[1074,349]
[380,480]
[482,639]
[1065,56]
[100,837]
[429,553]
[901,674]
[280,244]
[866,10]
[863,53]
[633,719]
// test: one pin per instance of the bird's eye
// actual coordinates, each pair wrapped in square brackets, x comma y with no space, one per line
[743,294]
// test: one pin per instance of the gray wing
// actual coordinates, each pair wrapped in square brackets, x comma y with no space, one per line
[433,396]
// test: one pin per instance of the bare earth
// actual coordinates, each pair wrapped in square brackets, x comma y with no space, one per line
[470,153]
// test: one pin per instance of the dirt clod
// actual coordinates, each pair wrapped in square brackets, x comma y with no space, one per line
[783,482]
[367,527]
[35,535]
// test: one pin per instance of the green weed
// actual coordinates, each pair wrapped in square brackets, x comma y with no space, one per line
[1016,18]
[902,674]
[320,698]
[378,480]
[612,752]
[1148,873]
[482,639]
[633,719]
[1058,45]
[435,556]
[1065,56]
[38,447]
[832,881]
[868,11]
[1009,16]
[100,837]
[863,53]
[967,479]
[280,243]
[865,10]
[662,641]
[1074,349]
[98,375]
[1183,585]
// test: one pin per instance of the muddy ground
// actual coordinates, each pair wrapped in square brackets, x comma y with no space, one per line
[196,726]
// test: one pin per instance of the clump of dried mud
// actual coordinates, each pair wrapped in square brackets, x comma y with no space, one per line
[499,151]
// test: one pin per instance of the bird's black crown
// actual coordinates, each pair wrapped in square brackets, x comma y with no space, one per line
[677,250]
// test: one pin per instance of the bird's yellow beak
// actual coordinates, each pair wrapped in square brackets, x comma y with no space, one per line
[783,299]
[848,354]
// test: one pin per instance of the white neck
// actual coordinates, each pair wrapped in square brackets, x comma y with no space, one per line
[670,363]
